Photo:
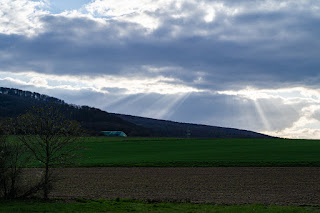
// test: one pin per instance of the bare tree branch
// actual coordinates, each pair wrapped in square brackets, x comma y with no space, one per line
[53,140]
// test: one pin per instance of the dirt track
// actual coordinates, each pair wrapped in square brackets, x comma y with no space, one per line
[232,185]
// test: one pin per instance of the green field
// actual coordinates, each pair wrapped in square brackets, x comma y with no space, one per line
[140,206]
[103,151]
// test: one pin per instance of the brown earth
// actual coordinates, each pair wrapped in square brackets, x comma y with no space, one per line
[222,185]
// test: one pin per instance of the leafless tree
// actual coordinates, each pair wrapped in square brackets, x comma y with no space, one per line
[13,157]
[3,169]
[52,139]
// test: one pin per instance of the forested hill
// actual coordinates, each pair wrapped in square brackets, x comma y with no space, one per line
[14,102]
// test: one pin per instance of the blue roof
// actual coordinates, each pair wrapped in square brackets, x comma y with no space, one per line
[114,133]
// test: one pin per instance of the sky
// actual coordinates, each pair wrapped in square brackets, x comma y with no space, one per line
[247,64]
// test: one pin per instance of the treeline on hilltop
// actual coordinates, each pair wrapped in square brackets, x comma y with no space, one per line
[15,102]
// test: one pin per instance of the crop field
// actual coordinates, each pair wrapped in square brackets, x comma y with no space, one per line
[218,185]
[170,152]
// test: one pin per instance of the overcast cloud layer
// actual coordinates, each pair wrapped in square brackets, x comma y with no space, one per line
[236,63]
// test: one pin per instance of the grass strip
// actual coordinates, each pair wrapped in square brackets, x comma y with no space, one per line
[119,205]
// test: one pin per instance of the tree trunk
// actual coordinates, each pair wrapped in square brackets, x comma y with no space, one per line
[5,189]
[46,183]
[12,193]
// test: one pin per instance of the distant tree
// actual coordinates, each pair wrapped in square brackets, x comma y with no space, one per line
[13,157]
[51,138]
[3,169]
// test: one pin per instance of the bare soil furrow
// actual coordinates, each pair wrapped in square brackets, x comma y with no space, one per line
[222,185]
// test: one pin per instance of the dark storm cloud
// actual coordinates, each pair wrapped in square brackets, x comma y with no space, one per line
[114,90]
[265,50]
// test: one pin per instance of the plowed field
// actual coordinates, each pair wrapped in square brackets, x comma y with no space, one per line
[222,185]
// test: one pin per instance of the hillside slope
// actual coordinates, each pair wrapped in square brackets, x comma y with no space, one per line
[14,102]
[163,128]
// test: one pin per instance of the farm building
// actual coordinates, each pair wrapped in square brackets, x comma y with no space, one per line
[114,133]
